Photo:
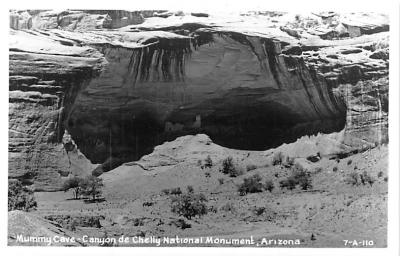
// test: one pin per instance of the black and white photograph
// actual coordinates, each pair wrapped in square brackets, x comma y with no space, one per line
[146,127]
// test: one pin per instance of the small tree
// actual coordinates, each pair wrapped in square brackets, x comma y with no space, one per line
[251,185]
[74,184]
[228,167]
[91,186]
[20,197]
[189,205]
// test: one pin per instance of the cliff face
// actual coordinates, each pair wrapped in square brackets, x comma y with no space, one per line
[44,82]
[75,19]
[120,93]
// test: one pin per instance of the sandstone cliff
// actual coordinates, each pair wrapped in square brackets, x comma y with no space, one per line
[249,82]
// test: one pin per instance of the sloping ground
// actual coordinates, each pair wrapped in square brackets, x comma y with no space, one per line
[30,230]
[333,210]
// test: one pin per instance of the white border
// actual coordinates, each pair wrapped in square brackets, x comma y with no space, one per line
[385,6]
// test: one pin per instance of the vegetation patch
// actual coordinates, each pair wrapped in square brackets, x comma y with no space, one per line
[251,185]
[229,167]
[189,205]
[277,159]
[20,197]
[90,186]
[299,177]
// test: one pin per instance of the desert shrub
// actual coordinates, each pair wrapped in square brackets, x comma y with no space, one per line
[251,167]
[165,191]
[299,176]
[237,171]
[221,181]
[190,189]
[137,222]
[208,163]
[353,179]
[228,167]
[20,197]
[199,163]
[175,191]
[366,178]
[91,186]
[259,210]
[305,183]
[356,179]
[335,169]
[212,208]
[269,185]
[147,204]
[251,185]
[180,223]
[189,205]
[289,183]
[207,174]
[74,184]
[380,174]
[349,162]
[385,179]
[71,225]
[277,158]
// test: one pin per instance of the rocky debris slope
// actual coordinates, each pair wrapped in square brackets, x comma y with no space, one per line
[251,81]
[139,201]
[36,231]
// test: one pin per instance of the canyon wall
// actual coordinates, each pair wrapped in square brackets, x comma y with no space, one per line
[111,96]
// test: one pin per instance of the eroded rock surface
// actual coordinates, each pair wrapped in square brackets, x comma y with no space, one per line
[249,82]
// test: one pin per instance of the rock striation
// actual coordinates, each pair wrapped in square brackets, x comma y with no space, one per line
[120,92]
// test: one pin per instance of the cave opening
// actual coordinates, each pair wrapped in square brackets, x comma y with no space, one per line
[114,138]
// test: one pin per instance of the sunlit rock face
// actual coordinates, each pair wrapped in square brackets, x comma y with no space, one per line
[119,93]
[76,19]
[43,86]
